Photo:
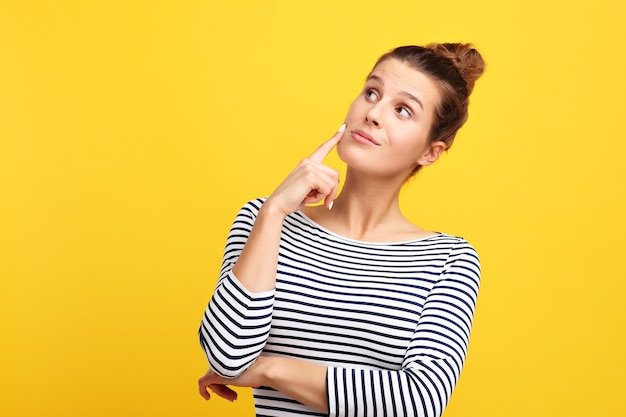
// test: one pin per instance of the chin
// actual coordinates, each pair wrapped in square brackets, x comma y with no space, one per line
[354,160]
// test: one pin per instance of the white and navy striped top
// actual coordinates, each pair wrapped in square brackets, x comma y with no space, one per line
[390,321]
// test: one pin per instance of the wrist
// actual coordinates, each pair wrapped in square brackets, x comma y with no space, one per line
[269,210]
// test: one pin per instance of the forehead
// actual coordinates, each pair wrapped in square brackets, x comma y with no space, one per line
[398,77]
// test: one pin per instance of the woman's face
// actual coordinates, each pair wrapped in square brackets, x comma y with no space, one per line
[389,122]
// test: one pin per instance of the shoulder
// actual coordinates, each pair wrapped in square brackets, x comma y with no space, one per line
[251,208]
[458,243]
[446,241]
[250,211]
[451,241]
[462,258]
[455,249]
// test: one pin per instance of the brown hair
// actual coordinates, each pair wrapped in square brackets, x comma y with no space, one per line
[454,67]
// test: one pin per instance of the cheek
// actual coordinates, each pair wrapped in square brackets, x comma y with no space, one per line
[410,142]
[353,112]
[347,152]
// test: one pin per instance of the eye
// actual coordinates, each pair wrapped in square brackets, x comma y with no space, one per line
[371,94]
[404,111]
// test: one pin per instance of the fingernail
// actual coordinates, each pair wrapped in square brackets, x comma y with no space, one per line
[342,128]
[330,206]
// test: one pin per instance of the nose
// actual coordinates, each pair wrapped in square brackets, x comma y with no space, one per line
[372,117]
[371,120]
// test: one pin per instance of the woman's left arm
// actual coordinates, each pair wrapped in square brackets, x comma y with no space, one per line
[435,356]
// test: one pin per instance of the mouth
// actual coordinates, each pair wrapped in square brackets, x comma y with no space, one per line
[363,138]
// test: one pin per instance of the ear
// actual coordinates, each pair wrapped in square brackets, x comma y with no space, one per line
[431,154]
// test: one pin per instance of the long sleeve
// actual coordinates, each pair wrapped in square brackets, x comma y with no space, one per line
[236,322]
[433,360]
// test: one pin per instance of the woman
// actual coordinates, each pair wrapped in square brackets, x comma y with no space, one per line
[346,308]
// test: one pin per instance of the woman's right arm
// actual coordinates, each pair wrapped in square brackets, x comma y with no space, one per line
[236,321]
[310,182]
[238,318]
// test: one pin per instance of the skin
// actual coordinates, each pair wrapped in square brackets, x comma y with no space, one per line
[385,138]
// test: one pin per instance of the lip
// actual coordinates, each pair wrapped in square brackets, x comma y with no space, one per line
[363,138]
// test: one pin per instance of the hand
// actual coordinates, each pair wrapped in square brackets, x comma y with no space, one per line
[219,385]
[310,182]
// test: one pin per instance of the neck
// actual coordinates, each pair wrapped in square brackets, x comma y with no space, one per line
[368,208]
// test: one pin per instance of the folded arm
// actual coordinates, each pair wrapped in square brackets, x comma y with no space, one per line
[430,371]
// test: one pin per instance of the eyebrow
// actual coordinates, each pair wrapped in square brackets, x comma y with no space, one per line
[403,93]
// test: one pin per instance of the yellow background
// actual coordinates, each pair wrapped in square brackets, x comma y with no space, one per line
[132,131]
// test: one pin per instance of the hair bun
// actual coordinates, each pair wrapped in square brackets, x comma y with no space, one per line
[465,58]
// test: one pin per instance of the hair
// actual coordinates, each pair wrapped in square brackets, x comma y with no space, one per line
[454,67]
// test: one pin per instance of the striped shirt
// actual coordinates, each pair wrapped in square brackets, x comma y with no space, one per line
[390,321]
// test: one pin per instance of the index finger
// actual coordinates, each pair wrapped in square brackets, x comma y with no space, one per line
[325,148]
